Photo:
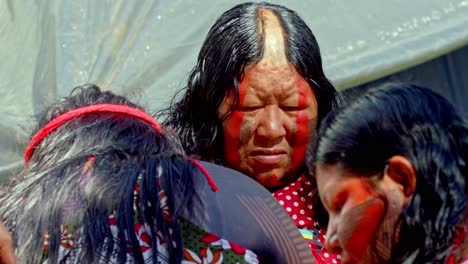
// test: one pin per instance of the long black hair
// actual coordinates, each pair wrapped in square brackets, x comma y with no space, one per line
[419,124]
[234,42]
[89,169]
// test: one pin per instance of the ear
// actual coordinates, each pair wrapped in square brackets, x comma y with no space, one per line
[400,170]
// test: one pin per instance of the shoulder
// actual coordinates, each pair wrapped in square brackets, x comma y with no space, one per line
[243,211]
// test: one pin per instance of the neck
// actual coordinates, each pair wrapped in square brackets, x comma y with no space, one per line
[289,181]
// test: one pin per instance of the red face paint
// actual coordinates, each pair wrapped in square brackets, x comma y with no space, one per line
[266,135]
[232,132]
[363,213]
[303,127]
[270,180]
[362,220]
[238,132]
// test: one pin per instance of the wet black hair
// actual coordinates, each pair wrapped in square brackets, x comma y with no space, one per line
[234,42]
[120,153]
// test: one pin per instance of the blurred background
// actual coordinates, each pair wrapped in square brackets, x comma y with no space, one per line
[145,50]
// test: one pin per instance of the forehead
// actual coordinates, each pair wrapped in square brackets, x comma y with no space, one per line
[332,178]
[274,76]
[265,79]
[273,73]
[328,176]
[325,173]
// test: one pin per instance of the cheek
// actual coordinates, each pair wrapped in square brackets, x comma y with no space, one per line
[358,226]
[246,130]
[233,128]
[303,127]
[388,233]
[301,138]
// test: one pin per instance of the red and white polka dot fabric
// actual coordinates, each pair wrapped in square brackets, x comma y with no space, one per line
[296,199]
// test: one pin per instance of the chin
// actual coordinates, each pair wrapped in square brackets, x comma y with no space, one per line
[271,180]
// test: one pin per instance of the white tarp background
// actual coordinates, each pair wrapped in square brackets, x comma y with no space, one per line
[145,49]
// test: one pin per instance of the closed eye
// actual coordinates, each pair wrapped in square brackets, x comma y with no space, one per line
[292,108]
[248,108]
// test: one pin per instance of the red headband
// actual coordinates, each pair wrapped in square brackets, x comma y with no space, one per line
[90,109]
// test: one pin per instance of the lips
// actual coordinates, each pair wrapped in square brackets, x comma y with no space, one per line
[268,156]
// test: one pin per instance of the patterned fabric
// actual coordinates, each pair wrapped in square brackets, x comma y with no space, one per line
[199,246]
[296,199]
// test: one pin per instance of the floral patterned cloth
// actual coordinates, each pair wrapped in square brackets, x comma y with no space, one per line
[296,199]
[199,246]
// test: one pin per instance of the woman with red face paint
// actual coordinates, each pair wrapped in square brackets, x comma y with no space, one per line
[103,182]
[391,169]
[253,102]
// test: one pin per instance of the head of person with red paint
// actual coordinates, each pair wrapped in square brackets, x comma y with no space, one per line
[391,171]
[256,94]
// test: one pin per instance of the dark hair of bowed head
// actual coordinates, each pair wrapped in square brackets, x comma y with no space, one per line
[88,169]
[233,43]
[421,125]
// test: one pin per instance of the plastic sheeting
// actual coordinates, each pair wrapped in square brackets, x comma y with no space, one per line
[145,49]
[445,75]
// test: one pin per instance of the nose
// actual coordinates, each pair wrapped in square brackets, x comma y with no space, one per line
[271,123]
[332,243]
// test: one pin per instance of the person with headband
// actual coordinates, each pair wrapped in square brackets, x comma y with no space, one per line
[252,103]
[103,182]
[392,169]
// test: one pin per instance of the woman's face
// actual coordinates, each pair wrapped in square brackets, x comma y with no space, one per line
[266,134]
[363,213]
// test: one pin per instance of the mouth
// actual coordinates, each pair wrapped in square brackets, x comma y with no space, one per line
[268,156]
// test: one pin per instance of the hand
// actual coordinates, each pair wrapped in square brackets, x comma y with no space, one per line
[7,253]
